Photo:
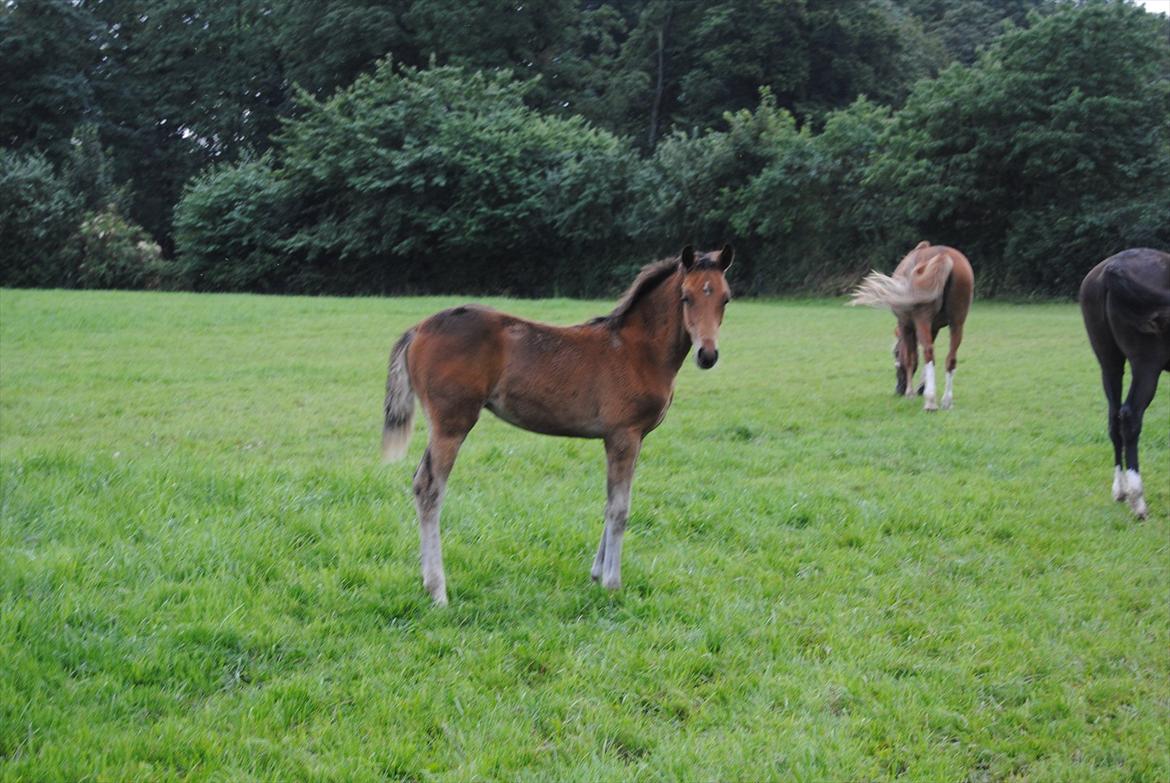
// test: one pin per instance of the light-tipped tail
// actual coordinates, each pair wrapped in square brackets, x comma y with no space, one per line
[878,290]
[924,284]
[398,422]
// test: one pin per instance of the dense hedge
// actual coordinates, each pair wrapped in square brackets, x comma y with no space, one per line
[1050,151]
[1035,160]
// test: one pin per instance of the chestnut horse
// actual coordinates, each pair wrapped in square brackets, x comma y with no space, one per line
[610,378]
[932,287]
[1125,301]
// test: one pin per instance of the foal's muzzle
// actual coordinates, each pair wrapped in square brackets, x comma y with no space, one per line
[706,358]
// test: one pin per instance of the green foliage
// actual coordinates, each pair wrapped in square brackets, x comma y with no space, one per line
[540,147]
[117,254]
[89,171]
[50,55]
[39,218]
[205,574]
[1040,160]
[228,228]
[436,178]
[808,214]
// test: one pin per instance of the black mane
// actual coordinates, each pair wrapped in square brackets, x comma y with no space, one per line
[651,276]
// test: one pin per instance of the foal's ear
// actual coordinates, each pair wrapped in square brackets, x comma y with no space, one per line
[725,256]
[687,256]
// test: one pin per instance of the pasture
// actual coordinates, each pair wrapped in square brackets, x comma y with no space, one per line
[206,574]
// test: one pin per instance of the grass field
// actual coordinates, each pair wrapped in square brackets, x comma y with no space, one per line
[205,573]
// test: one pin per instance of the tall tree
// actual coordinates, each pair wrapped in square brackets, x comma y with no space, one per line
[50,54]
[1050,153]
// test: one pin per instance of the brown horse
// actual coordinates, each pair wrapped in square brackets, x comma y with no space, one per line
[610,378]
[932,287]
[1125,301]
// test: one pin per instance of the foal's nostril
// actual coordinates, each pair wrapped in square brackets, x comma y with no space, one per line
[706,359]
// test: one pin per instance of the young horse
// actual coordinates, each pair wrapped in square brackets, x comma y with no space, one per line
[1125,301]
[932,287]
[610,378]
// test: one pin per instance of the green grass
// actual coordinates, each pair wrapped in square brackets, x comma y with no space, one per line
[205,573]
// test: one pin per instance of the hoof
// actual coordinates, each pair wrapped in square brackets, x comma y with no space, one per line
[612,585]
[595,575]
[1119,488]
[1137,504]
[947,403]
[438,593]
[930,405]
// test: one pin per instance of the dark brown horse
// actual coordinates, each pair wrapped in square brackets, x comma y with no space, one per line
[610,378]
[1125,301]
[932,287]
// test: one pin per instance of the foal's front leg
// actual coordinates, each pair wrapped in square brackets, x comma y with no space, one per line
[621,452]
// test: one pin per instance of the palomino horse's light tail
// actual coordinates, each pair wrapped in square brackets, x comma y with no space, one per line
[925,284]
[398,423]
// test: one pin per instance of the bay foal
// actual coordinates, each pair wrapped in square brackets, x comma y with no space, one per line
[1125,301]
[932,287]
[610,378]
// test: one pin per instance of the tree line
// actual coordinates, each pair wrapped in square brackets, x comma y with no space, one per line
[353,146]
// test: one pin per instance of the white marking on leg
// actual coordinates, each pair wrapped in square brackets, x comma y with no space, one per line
[431,551]
[428,500]
[616,515]
[930,402]
[599,561]
[1118,484]
[948,395]
[1134,493]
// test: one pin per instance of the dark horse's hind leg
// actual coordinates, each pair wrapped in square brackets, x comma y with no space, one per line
[1141,392]
[1112,373]
[1112,362]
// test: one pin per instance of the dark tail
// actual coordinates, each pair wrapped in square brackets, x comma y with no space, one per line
[397,426]
[1144,307]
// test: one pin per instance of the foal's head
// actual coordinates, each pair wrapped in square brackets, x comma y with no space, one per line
[705,294]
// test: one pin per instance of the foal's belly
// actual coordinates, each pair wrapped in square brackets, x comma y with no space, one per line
[545,417]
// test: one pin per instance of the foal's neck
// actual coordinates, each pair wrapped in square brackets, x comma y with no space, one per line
[658,320]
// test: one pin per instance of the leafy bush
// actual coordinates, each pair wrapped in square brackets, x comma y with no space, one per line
[438,179]
[808,215]
[118,254]
[39,217]
[228,231]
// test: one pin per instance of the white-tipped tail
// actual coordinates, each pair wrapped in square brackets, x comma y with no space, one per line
[924,284]
[398,421]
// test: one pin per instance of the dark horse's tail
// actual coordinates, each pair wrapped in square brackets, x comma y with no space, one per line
[1137,303]
[399,404]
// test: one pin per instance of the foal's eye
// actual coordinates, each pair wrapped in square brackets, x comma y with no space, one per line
[686,299]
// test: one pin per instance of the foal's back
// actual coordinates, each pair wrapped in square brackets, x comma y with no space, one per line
[537,376]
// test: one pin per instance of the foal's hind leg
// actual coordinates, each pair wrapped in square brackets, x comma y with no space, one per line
[430,484]
[1141,393]
[621,452]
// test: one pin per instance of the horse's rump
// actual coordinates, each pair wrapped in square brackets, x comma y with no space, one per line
[1141,306]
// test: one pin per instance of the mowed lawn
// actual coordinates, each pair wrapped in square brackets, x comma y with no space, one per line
[206,574]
